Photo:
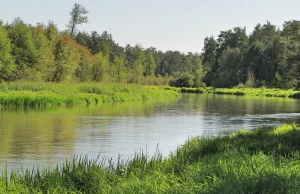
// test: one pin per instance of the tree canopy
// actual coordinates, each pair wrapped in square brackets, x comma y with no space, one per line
[268,56]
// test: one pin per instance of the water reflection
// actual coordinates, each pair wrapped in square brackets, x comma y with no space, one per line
[45,136]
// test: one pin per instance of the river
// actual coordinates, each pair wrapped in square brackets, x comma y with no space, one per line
[46,136]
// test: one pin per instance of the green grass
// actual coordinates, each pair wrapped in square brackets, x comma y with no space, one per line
[260,161]
[29,94]
[274,92]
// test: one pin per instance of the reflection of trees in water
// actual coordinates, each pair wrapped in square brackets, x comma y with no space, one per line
[51,131]
[241,105]
[35,133]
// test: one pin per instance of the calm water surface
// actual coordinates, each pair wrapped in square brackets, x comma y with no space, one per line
[31,137]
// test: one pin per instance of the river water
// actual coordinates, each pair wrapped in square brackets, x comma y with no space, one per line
[30,137]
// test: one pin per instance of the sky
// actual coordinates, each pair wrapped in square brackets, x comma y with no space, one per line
[164,24]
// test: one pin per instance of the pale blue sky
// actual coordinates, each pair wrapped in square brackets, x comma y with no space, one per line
[165,24]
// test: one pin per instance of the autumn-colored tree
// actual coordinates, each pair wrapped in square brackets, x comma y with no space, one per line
[67,59]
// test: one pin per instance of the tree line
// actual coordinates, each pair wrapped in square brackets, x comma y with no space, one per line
[268,57]
[43,53]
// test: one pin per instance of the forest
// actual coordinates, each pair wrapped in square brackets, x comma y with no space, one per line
[267,57]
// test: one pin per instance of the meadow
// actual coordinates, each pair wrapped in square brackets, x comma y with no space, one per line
[271,92]
[264,160]
[34,94]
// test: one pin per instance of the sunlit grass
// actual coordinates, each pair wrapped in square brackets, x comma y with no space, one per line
[32,94]
[274,92]
[264,160]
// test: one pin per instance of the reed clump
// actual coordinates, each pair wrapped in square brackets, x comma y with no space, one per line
[264,160]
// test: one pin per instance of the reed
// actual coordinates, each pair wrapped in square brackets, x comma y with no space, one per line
[264,160]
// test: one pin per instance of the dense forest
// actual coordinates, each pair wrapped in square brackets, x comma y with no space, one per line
[267,57]
[43,53]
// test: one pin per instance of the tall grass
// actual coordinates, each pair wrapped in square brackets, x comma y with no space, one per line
[264,160]
[30,94]
[274,92]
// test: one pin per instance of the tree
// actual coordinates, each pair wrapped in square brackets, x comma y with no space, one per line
[197,69]
[186,63]
[209,53]
[100,68]
[77,18]
[291,29]
[119,71]
[236,38]
[7,65]
[150,64]
[274,61]
[129,56]
[137,68]
[263,33]
[83,39]
[44,53]
[83,71]
[67,59]
[253,59]
[24,50]
[172,63]
[229,68]
[94,43]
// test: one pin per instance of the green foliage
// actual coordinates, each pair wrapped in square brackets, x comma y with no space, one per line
[84,68]
[209,53]
[229,68]
[137,68]
[43,53]
[7,65]
[100,68]
[23,49]
[66,60]
[150,64]
[185,80]
[119,71]
[270,54]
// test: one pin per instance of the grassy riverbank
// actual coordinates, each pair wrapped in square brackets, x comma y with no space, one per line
[274,92]
[30,94]
[259,161]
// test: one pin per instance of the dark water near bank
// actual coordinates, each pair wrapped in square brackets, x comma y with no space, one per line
[45,136]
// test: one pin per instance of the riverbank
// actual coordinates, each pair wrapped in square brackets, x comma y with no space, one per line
[260,161]
[32,94]
[274,92]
